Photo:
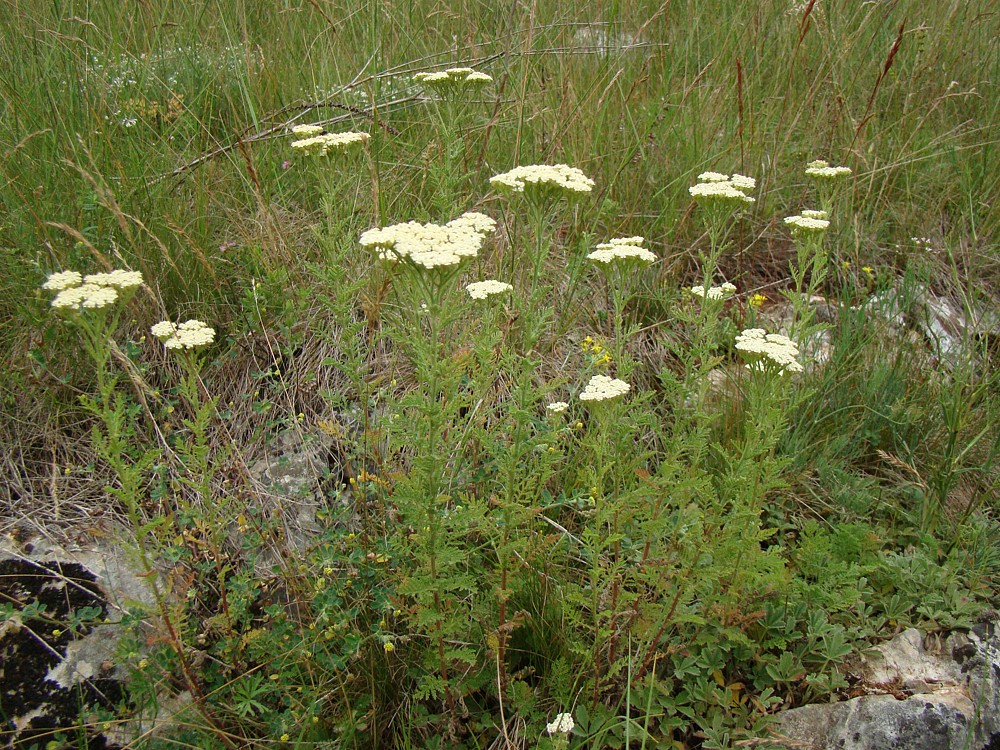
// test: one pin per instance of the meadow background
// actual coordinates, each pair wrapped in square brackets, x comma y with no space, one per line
[670,569]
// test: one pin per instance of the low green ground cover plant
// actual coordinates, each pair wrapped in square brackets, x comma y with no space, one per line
[595,471]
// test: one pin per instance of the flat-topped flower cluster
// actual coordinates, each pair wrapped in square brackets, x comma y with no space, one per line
[452,78]
[325,144]
[307,130]
[559,177]
[808,222]
[622,249]
[822,170]
[190,334]
[715,187]
[761,345]
[431,245]
[484,289]
[603,388]
[91,292]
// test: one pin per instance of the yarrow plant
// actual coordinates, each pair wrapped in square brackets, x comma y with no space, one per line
[808,229]
[88,303]
[541,185]
[91,292]
[612,257]
[557,407]
[827,180]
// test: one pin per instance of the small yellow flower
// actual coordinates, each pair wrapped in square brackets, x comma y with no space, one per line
[143,663]
[328,571]
[274,677]
[388,647]
[285,737]
[845,264]
[56,633]
[867,270]
[757,300]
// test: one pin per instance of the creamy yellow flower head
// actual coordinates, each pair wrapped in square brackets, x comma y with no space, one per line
[543,177]
[763,348]
[603,388]
[483,289]
[192,334]
[431,245]
[622,249]
[329,143]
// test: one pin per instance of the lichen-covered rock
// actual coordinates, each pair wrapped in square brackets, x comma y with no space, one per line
[950,690]
[55,663]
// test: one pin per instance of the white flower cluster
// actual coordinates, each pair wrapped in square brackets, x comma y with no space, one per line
[602,388]
[188,335]
[483,289]
[717,187]
[823,171]
[812,213]
[622,249]
[452,78]
[563,724]
[321,145]
[543,176]
[807,224]
[725,291]
[91,292]
[779,349]
[557,407]
[431,245]
[307,130]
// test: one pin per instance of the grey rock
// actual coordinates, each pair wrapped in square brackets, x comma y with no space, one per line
[954,701]
[950,328]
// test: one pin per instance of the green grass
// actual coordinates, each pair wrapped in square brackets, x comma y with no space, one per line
[670,568]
